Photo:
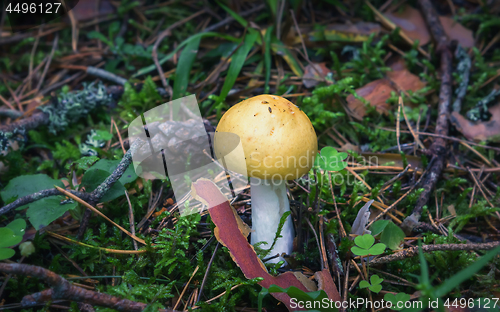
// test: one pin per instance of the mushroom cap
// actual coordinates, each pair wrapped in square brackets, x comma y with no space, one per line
[278,139]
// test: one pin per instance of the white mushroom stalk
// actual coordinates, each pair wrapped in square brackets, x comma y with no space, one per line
[269,203]
[279,144]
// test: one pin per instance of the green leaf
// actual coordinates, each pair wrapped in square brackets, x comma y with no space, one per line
[364,241]
[392,236]
[465,274]
[184,66]
[375,279]
[394,299]
[267,57]
[330,159]
[8,238]
[237,62]
[43,211]
[377,249]
[364,284]
[97,35]
[359,251]
[376,288]
[378,226]
[103,135]
[6,253]
[94,177]
[17,226]
[85,162]
[152,67]
[280,49]
[46,210]
[110,166]
[424,268]
[26,185]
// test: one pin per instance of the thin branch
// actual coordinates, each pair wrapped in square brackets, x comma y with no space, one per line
[413,251]
[39,195]
[438,148]
[62,289]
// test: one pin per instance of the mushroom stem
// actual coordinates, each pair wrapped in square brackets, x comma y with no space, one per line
[269,203]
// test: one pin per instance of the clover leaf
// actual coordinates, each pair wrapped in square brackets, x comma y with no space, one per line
[395,299]
[364,246]
[374,284]
[11,235]
[330,159]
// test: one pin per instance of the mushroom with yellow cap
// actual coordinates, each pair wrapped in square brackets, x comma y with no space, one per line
[279,144]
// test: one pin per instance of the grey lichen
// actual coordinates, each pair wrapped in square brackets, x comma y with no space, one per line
[71,106]
[480,111]
[17,135]
[93,142]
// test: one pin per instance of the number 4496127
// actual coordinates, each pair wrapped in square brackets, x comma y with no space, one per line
[485,303]
[33,8]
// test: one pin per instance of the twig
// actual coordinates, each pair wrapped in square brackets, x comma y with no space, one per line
[62,289]
[163,34]
[39,195]
[54,47]
[105,186]
[131,218]
[413,251]
[384,212]
[101,214]
[104,74]
[438,147]
[185,287]
[206,272]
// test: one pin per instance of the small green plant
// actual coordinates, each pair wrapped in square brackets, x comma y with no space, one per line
[11,235]
[436,293]
[398,301]
[373,285]
[391,234]
[42,211]
[330,159]
[365,246]
[261,252]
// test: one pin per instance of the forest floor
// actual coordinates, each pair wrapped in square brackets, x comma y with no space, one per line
[401,205]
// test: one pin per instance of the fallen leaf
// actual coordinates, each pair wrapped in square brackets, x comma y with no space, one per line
[314,73]
[456,31]
[411,21]
[479,131]
[377,92]
[231,234]
[357,32]
[86,10]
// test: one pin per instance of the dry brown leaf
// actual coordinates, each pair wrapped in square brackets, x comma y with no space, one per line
[377,92]
[86,10]
[312,77]
[231,233]
[456,31]
[411,21]
[479,131]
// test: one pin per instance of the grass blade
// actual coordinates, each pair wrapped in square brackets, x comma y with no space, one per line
[236,64]
[466,273]
[184,66]
[150,68]
[267,57]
